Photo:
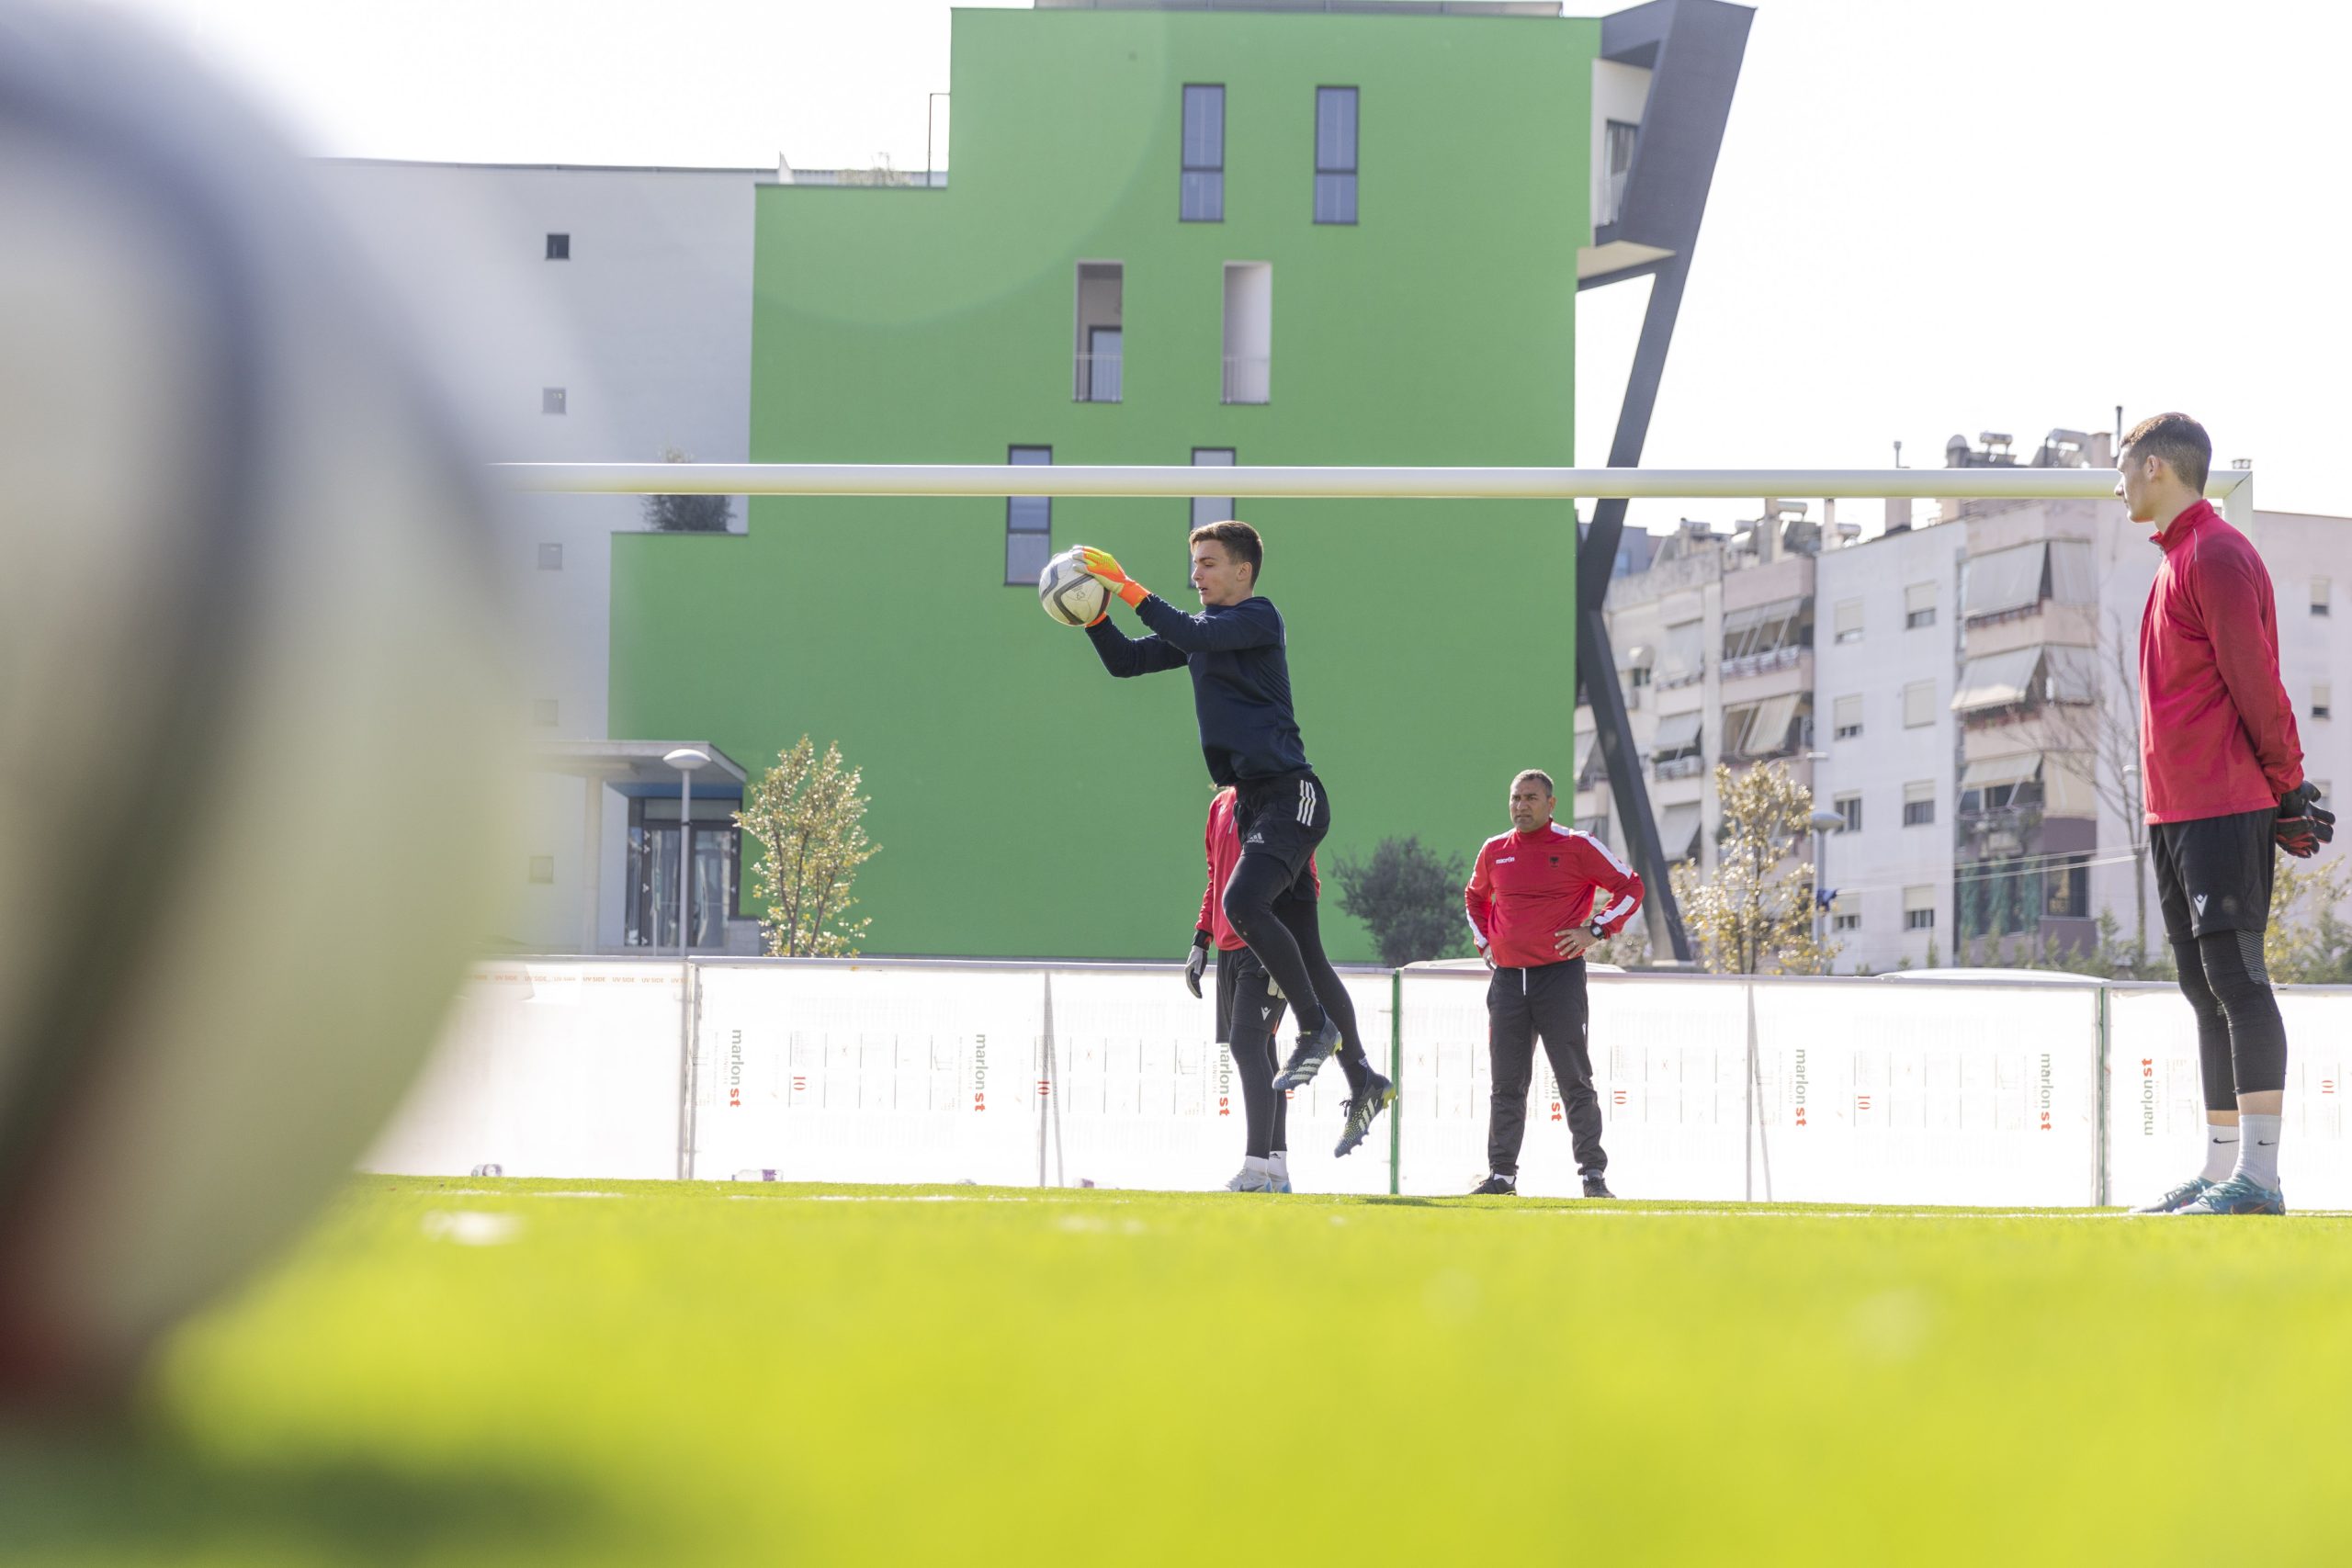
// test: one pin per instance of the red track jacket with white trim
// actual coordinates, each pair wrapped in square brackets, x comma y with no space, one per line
[2217,731]
[1223,843]
[1527,887]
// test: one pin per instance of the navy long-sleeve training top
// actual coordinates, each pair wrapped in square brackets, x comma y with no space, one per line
[1241,679]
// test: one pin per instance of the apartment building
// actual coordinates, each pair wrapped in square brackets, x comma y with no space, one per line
[1971,694]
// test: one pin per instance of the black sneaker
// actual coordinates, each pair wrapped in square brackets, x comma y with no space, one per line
[1496,1186]
[1363,1108]
[1594,1186]
[1307,1059]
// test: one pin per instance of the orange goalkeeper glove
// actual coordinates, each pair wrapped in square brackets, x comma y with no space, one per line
[1099,564]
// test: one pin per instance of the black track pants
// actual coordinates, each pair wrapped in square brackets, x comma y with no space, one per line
[2241,1040]
[1280,821]
[1546,1001]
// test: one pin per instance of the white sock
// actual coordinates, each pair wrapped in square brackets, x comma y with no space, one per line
[1278,1165]
[2220,1151]
[1257,1163]
[2258,1149]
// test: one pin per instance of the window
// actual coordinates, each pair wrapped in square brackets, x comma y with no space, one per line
[1201,193]
[559,247]
[1848,711]
[1618,150]
[649,917]
[1918,606]
[1335,154]
[1101,287]
[1919,803]
[2322,698]
[2319,596]
[543,866]
[1207,509]
[1597,826]
[543,712]
[551,400]
[1849,620]
[1918,703]
[1849,807]
[1845,922]
[2066,887]
[1249,331]
[551,557]
[1919,909]
[1028,524]
[2000,784]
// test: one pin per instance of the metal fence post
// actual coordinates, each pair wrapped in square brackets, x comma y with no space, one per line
[2101,1145]
[1396,1077]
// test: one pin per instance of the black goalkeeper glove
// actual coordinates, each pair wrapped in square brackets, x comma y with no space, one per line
[1196,961]
[2304,824]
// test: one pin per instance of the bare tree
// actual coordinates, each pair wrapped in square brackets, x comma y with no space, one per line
[2106,730]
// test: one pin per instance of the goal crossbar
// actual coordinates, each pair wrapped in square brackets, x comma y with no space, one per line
[2232,487]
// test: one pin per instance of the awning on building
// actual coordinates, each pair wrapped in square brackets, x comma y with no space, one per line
[2002,580]
[1759,728]
[1638,657]
[1990,773]
[1998,679]
[1677,735]
[1678,831]
[1684,651]
[636,767]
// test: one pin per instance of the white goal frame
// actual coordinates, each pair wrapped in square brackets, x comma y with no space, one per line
[2233,489]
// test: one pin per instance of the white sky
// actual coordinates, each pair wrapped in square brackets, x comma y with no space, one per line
[1928,218]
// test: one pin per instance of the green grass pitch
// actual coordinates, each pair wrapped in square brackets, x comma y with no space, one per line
[458,1373]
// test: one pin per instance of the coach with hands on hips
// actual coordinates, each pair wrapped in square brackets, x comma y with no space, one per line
[1539,898]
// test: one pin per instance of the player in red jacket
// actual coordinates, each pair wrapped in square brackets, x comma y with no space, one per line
[2223,774]
[1250,1008]
[1539,897]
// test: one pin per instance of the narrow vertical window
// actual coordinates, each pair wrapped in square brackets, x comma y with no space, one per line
[1028,524]
[1200,199]
[559,247]
[1102,339]
[1207,509]
[1617,151]
[1249,331]
[1335,154]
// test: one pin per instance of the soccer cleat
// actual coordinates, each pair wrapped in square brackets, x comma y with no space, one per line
[2238,1195]
[2180,1198]
[1496,1186]
[1250,1180]
[1281,1184]
[1307,1059]
[1363,1109]
[1594,1186]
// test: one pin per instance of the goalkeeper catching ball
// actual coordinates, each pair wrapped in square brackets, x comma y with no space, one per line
[1235,650]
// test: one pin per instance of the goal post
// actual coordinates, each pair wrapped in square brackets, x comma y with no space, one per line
[2232,488]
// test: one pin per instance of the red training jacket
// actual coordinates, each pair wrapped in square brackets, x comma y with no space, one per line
[1528,887]
[2217,731]
[1223,841]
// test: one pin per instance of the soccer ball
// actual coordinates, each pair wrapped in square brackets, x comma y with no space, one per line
[1068,593]
[250,610]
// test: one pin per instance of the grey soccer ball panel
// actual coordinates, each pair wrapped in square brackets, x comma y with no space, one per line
[274,971]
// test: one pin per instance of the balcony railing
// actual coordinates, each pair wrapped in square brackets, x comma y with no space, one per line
[1762,663]
[1248,378]
[1666,680]
[1681,767]
[1096,379]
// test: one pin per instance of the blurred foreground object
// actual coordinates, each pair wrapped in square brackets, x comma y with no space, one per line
[245,653]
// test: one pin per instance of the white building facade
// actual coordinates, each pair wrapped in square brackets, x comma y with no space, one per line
[602,314]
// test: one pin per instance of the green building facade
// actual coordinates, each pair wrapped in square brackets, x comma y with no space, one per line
[1057,295]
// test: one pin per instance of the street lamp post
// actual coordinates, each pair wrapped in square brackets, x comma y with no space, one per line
[1823,823]
[685,759]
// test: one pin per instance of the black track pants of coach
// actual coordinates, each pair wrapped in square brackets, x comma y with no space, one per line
[1521,1004]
